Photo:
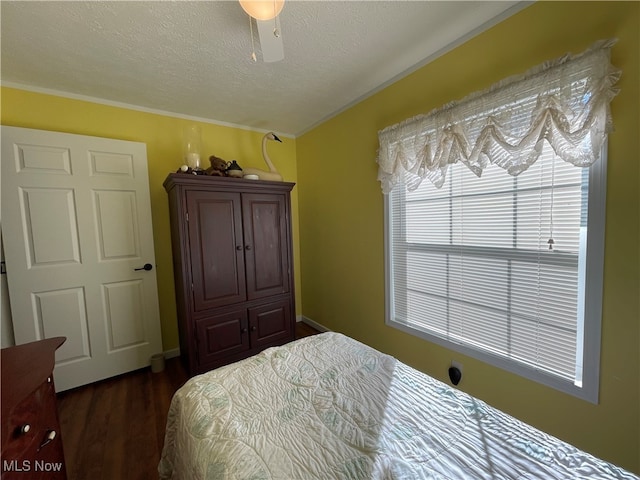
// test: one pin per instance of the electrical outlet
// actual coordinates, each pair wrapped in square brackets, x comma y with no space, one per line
[457,365]
[455,372]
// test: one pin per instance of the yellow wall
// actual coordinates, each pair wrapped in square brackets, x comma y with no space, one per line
[341,220]
[340,248]
[162,135]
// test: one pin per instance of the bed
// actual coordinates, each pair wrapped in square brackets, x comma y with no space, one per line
[329,407]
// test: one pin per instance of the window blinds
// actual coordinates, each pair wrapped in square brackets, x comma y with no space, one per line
[471,264]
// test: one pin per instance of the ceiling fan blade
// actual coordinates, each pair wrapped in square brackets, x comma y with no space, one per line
[272,49]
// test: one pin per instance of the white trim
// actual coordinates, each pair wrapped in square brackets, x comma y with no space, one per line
[589,390]
[417,66]
[138,108]
[442,51]
[174,352]
[311,323]
[595,277]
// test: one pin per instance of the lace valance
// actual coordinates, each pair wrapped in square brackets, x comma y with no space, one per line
[564,101]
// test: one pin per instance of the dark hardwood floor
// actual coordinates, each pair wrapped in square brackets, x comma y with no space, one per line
[114,429]
[304,330]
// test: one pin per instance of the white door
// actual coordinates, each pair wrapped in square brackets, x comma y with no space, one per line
[76,220]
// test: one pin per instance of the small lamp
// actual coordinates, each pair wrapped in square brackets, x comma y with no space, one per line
[192,147]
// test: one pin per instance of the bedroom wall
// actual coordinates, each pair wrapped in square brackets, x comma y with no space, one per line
[162,135]
[341,221]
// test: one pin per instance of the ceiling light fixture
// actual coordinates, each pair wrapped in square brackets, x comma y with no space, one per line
[263,11]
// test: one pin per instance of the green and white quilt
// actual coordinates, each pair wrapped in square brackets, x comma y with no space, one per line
[329,407]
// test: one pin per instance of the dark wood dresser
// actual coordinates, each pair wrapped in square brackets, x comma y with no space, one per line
[233,267]
[31,443]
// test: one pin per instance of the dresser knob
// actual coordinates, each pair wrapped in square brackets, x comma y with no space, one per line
[24,429]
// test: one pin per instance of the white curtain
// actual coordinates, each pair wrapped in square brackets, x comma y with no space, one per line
[564,101]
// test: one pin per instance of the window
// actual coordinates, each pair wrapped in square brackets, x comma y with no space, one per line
[469,267]
[503,267]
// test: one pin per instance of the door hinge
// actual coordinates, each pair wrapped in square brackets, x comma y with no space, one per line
[3,268]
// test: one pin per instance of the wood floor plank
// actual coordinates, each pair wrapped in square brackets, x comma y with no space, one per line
[164,386]
[304,330]
[72,410]
[143,453]
[116,440]
[94,443]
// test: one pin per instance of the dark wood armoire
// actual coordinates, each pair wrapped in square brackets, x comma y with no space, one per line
[233,267]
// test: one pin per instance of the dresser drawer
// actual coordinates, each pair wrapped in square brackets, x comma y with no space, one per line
[31,445]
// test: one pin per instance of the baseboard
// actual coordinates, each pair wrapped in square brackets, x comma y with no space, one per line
[175,352]
[311,323]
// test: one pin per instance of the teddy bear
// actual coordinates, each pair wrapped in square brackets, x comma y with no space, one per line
[218,167]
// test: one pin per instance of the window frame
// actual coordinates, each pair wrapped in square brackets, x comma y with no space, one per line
[590,265]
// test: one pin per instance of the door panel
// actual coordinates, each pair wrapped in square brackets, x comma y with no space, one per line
[270,324]
[47,159]
[124,307]
[216,249]
[76,225]
[266,248]
[116,218]
[112,164]
[50,226]
[222,335]
[59,312]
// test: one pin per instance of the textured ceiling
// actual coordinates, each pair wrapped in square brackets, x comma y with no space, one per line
[193,58]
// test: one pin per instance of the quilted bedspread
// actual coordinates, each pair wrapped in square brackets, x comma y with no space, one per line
[329,407]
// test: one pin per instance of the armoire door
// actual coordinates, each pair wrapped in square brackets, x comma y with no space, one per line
[270,324]
[222,335]
[265,223]
[216,248]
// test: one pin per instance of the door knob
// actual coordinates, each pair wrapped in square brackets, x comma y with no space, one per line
[147,267]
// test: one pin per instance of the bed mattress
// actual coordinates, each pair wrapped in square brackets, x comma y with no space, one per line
[329,407]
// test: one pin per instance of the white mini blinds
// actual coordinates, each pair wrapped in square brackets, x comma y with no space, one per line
[505,268]
[565,101]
